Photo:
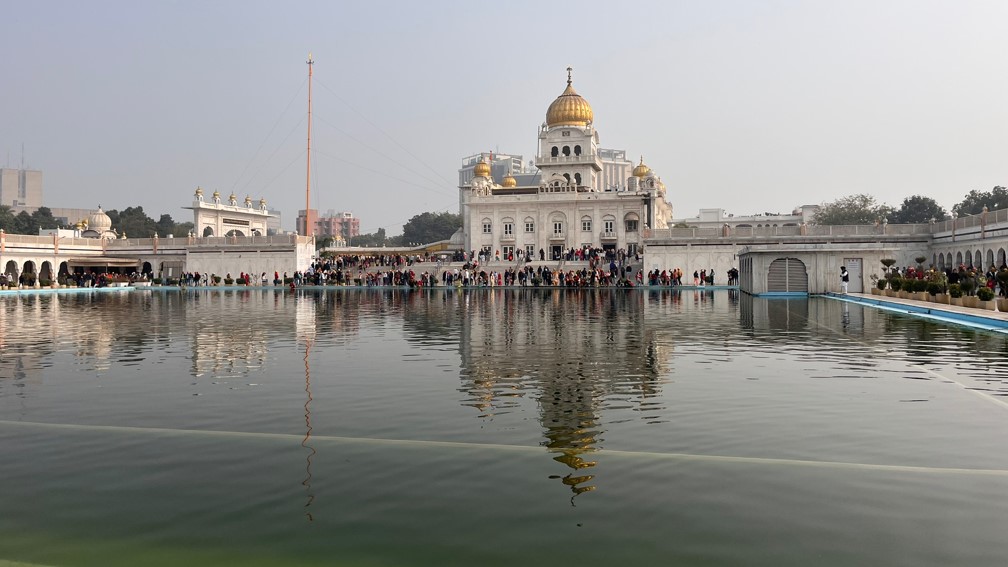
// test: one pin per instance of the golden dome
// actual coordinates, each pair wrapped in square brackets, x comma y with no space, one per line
[248,200]
[199,191]
[232,198]
[641,170]
[482,168]
[216,194]
[509,181]
[569,109]
[262,202]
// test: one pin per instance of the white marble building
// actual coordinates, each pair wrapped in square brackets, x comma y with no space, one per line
[577,200]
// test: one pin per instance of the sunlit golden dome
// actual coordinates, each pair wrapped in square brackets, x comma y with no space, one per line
[199,191]
[232,198]
[99,220]
[569,109]
[482,168]
[509,181]
[248,200]
[262,202]
[216,194]
[641,170]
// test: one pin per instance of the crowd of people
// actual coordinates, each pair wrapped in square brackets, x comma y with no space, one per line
[970,278]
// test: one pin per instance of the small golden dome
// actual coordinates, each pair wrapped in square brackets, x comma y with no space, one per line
[569,109]
[248,200]
[262,202]
[482,168]
[509,181]
[216,194]
[232,197]
[199,191]
[641,170]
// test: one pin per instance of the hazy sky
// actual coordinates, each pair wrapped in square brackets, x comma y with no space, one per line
[748,106]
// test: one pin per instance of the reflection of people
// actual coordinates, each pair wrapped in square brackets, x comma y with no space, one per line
[844,279]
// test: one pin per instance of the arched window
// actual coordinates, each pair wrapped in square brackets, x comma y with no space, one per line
[567,177]
[577,179]
[566,150]
[577,150]
[554,152]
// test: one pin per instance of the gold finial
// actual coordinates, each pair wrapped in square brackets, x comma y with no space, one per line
[569,75]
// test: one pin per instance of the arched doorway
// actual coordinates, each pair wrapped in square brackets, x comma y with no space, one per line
[207,232]
[11,269]
[959,260]
[45,273]
[787,275]
[1000,257]
[147,269]
[234,232]
[28,275]
[990,259]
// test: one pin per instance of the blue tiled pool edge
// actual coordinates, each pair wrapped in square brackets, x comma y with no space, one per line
[935,313]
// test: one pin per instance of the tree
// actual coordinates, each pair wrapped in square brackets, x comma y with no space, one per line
[165,225]
[918,209]
[43,218]
[23,224]
[974,201]
[182,229]
[371,239]
[853,209]
[431,227]
[6,218]
[133,222]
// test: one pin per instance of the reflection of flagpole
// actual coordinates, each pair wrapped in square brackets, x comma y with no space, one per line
[308,429]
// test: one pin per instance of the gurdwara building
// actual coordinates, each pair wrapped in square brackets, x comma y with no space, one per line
[583,195]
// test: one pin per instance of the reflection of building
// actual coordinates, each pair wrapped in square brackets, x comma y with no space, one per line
[570,352]
[583,195]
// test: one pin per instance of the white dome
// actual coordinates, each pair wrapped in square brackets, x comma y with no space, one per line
[99,221]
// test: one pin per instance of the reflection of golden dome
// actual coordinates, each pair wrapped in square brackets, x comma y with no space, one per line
[509,181]
[641,170]
[482,168]
[569,109]
[99,221]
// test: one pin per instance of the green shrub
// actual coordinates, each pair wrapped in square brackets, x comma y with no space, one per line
[228,281]
[216,280]
[955,290]
[896,283]
[156,281]
[45,282]
[881,283]
[985,293]
[288,281]
[934,288]
[920,285]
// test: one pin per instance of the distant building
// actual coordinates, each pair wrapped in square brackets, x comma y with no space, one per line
[333,224]
[717,218]
[21,189]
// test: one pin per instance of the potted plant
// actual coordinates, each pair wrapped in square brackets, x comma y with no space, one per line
[934,290]
[228,281]
[920,290]
[968,284]
[985,298]
[881,285]
[888,263]
[895,282]
[955,294]
[920,262]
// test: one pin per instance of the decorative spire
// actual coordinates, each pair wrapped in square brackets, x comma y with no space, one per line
[569,69]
